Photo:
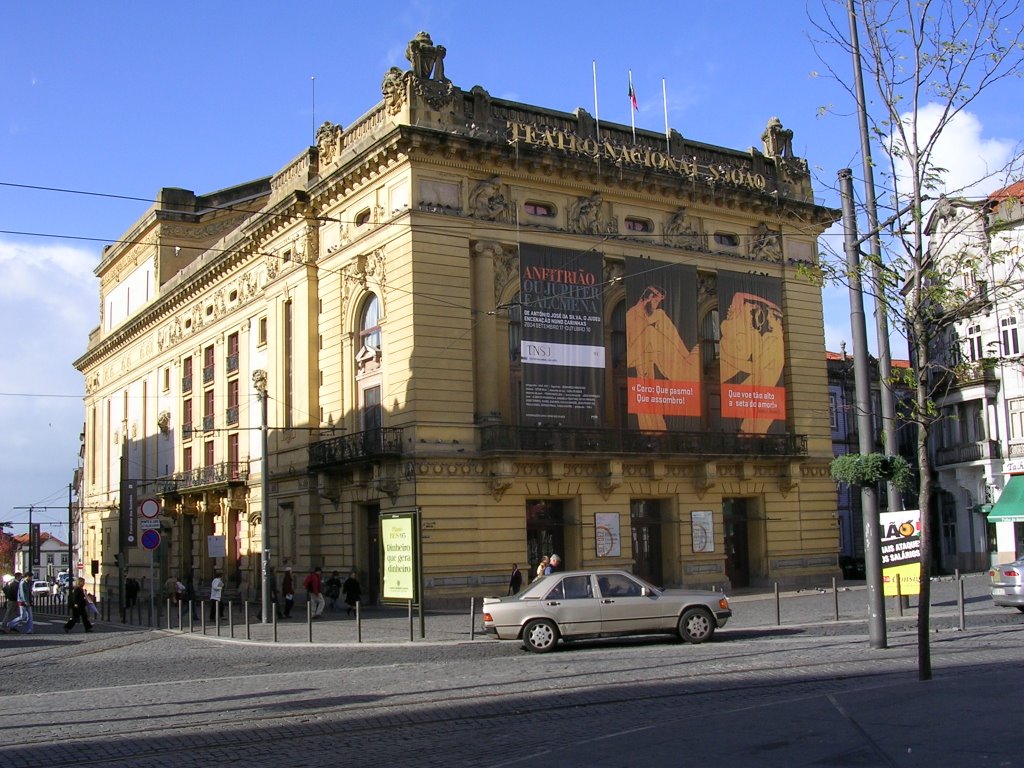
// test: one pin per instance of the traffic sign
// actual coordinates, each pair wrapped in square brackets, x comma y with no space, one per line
[150,539]
[149,508]
[149,525]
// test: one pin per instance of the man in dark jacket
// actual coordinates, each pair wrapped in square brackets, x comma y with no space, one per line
[78,607]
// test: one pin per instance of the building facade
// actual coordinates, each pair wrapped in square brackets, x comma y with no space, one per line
[523,326]
[978,444]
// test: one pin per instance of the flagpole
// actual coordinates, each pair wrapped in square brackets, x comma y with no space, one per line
[597,115]
[632,106]
[664,100]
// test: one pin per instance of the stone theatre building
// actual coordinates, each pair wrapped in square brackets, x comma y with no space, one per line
[539,333]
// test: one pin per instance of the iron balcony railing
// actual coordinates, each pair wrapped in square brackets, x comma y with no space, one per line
[186,431]
[231,416]
[509,439]
[959,454]
[208,374]
[208,423]
[224,474]
[385,442]
[186,383]
[232,363]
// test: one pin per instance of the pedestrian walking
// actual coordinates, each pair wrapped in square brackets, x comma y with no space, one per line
[11,593]
[288,589]
[79,608]
[352,592]
[23,621]
[216,591]
[515,583]
[542,568]
[131,592]
[332,589]
[553,564]
[314,589]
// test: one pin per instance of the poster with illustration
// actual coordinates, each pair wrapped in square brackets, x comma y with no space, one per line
[562,348]
[752,352]
[662,350]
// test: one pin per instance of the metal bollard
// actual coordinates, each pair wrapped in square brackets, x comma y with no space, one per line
[216,614]
[231,621]
[202,615]
[191,616]
[472,618]
[778,608]
[960,603]
[169,615]
[899,594]
[274,622]
[309,620]
[359,623]
[835,598]
[180,628]
[410,621]
[248,634]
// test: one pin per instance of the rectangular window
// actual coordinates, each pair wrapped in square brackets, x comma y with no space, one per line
[975,350]
[186,459]
[186,374]
[261,335]
[186,419]
[1016,407]
[232,415]
[1008,326]
[232,361]
[233,455]
[208,410]
[208,364]
[167,378]
[208,453]
[833,411]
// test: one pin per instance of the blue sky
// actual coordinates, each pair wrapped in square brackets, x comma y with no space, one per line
[123,98]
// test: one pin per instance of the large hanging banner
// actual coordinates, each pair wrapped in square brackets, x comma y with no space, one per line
[562,348]
[752,352]
[662,349]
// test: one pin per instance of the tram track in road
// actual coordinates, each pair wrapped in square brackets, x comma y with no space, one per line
[296,711]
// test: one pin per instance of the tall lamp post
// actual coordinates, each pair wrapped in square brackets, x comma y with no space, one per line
[259,380]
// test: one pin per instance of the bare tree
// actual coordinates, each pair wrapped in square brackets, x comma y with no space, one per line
[926,62]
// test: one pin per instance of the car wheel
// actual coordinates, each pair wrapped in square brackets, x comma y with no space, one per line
[696,625]
[540,636]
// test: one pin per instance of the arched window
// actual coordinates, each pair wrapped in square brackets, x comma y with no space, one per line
[369,325]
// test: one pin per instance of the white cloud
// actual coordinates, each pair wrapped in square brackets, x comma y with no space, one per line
[974,164]
[49,298]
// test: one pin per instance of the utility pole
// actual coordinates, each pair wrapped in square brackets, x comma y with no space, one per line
[259,380]
[894,497]
[862,385]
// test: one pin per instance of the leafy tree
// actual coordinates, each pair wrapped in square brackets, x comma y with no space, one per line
[925,64]
[8,546]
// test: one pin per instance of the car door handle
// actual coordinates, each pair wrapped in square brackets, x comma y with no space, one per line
[552,602]
[607,600]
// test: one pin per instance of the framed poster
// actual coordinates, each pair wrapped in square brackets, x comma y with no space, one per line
[399,555]
[607,541]
[901,552]
[702,531]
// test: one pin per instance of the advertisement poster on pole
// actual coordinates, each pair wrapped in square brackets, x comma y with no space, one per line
[399,537]
[901,552]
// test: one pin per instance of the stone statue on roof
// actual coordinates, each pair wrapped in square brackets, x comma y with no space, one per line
[426,58]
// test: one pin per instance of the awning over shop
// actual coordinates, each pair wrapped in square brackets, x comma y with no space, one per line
[1010,506]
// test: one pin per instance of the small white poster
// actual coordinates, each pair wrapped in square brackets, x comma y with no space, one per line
[607,542]
[217,546]
[702,531]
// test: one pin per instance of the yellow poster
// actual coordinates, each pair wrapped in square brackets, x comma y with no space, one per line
[398,542]
[901,552]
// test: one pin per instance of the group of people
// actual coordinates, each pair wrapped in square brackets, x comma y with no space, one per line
[548,564]
[18,614]
[318,589]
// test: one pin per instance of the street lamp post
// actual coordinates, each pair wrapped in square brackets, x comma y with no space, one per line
[259,380]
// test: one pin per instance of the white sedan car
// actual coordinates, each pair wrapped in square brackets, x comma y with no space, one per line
[608,603]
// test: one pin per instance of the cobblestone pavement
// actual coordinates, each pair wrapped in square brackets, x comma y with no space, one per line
[809,692]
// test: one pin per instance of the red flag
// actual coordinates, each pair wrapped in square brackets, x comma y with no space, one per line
[632,94]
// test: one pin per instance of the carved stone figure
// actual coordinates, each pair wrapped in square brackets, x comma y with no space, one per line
[585,215]
[327,140]
[767,244]
[680,232]
[393,88]
[488,203]
[778,141]
[426,58]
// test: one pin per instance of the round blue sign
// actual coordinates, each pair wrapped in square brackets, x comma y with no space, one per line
[150,539]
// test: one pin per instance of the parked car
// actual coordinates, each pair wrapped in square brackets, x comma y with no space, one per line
[1008,584]
[41,588]
[608,603]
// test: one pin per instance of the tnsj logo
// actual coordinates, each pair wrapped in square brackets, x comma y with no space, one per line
[538,350]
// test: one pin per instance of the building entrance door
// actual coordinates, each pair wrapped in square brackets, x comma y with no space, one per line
[373,577]
[545,532]
[737,543]
[645,520]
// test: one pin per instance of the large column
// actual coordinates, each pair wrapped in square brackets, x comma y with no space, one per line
[485,348]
